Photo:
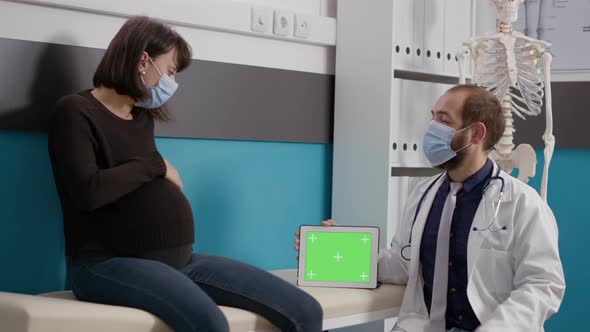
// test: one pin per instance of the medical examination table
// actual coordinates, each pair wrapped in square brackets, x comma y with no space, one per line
[62,312]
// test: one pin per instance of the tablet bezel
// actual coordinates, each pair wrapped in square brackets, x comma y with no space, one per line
[304,229]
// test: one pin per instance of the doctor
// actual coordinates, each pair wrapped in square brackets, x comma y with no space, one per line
[476,247]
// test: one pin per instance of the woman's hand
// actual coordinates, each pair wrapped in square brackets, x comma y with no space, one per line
[326,223]
[172,174]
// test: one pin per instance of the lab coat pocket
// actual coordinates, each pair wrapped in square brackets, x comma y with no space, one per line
[498,240]
[497,271]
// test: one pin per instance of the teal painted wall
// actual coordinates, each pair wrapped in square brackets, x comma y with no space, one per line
[236,188]
[31,239]
[248,199]
[568,198]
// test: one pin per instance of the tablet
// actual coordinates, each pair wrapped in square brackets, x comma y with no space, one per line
[338,256]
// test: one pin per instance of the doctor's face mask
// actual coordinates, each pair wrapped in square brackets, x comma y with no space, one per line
[438,141]
[447,139]
[466,120]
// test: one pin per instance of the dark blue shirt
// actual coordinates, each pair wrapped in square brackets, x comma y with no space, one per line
[459,312]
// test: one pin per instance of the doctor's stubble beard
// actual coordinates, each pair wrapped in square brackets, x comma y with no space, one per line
[457,143]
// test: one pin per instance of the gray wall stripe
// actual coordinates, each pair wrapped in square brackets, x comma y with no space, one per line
[571,116]
[228,101]
[414,171]
[215,100]
[425,77]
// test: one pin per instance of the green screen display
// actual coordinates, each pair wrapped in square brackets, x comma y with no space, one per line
[340,257]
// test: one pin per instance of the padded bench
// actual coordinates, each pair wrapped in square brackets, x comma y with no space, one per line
[62,312]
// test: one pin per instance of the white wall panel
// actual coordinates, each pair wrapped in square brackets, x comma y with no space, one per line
[51,24]
[403,43]
[409,121]
[418,17]
[434,23]
[457,30]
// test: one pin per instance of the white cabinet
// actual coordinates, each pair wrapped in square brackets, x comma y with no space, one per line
[410,114]
[428,33]
[386,86]
[458,28]
[394,58]
[434,33]
[418,22]
[403,33]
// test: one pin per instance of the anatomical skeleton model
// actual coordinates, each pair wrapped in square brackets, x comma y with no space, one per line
[516,69]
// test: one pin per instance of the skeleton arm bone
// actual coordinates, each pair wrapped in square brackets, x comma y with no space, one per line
[548,137]
[462,57]
[540,45]
[471,48]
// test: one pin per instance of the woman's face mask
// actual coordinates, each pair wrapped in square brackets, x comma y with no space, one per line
[437,143]
[158,95]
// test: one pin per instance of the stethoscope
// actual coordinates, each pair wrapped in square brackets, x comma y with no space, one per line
[489,226]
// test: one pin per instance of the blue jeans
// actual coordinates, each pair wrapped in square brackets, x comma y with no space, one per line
[187,299]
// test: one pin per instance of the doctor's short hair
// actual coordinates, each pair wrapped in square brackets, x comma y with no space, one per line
[482,106]
[118,68]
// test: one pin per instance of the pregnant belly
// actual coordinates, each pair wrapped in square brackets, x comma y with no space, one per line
[157,215]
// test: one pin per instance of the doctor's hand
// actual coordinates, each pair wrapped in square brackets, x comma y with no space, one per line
[326,223]
[172,174]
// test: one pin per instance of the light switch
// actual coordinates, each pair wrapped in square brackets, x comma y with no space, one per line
[261,20]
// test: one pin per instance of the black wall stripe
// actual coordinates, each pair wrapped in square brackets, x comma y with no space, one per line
[215,100]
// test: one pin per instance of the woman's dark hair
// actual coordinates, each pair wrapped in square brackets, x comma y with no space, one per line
[118,68]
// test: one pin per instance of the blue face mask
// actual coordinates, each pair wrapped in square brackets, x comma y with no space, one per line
[159,94]
[437,143]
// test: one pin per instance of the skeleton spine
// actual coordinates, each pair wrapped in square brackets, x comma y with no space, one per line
[506,145]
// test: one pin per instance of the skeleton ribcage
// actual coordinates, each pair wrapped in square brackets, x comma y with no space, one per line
[492,72]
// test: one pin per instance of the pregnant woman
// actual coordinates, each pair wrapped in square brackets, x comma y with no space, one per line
[128,227]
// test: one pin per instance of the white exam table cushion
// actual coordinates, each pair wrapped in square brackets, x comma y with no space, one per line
[62,312]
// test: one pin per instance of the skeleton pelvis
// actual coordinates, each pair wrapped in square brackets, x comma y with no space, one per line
[522,158]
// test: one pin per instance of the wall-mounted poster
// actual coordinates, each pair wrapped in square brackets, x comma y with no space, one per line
[563,23]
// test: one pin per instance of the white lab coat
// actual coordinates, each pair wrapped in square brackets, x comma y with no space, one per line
[515,277]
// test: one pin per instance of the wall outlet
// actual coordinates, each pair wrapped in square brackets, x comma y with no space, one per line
[302,26]
[283,23]
[261,19]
